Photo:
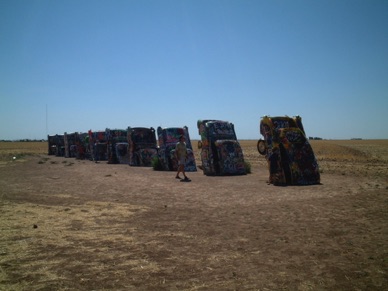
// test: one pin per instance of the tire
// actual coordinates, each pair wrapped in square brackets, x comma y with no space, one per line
[262,147]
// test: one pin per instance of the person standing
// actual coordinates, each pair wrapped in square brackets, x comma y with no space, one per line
[181,154]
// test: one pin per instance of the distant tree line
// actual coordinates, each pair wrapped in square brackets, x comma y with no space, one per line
[314,138]
[23,140]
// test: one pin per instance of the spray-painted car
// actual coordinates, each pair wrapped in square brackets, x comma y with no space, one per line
[221,153]
[52,144]
[117,145]
[168,138]
[82,145]
[142,146]
[56,145]
[70,147]
[290,157]
[98,145]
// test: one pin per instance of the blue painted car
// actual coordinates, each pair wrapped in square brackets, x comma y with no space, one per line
[167,139]
[221,153]
[142,146]
[117,146]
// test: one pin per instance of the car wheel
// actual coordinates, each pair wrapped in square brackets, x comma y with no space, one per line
[261,147]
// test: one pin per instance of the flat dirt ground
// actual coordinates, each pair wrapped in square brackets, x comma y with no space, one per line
[69,224]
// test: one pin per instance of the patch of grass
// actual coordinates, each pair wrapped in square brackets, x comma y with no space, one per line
[20,150]
[248,167]
[43,160]
[157,164]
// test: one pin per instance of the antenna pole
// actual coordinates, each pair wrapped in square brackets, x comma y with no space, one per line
[46,122]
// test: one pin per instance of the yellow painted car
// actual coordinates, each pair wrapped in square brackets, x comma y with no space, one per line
[290,157]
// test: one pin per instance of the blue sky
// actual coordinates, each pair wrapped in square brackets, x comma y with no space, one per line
[80,65]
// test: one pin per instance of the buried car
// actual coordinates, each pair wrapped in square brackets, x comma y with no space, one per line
[221,153]
[70,147]
[290,157]
[142,146]
[168,138]
[56,145]
[98,145]
[82,145]
[52,144]
[117,146]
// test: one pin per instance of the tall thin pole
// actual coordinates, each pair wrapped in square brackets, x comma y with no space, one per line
[46,122]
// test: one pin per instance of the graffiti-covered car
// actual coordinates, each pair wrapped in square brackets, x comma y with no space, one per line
[70,147]
[98,145]
[82,145]
[117,146]
[52,144]
[221,153]
[167,139]
[290,157]
[142,146]
[56,145]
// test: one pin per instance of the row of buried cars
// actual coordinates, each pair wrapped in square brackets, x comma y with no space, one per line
[291,160]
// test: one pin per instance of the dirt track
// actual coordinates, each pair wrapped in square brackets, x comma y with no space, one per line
[76,225]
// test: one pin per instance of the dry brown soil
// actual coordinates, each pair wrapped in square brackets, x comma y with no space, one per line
[69,224]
